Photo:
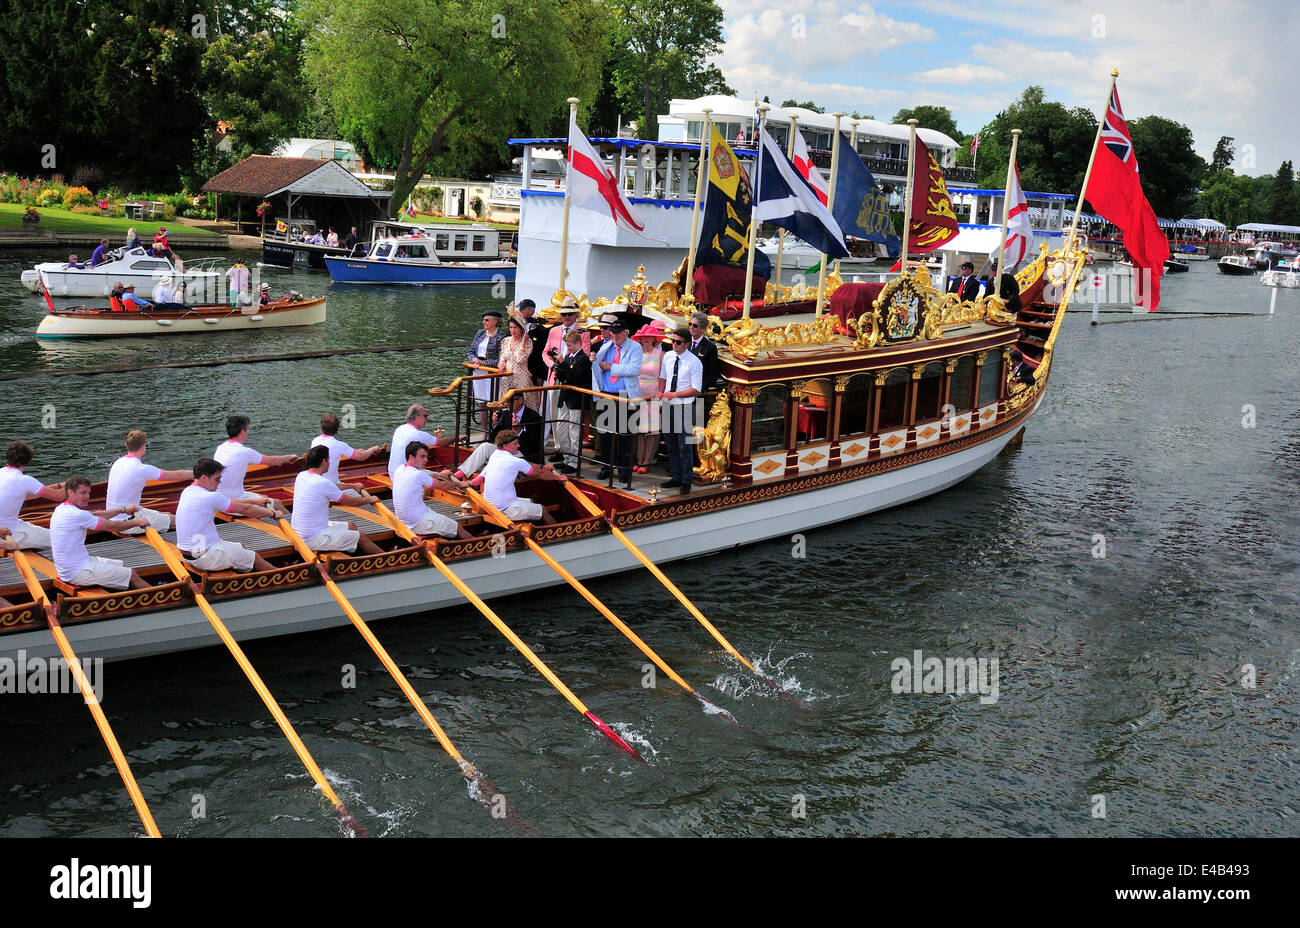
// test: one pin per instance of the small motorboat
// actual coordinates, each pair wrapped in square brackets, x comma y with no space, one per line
[1279,277]
[1236,265]
[133,266]
[1175,266]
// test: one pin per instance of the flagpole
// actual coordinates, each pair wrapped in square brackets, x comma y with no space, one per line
[907,197]
[1006,212]
[568,191]
[780,234]
[701,178]
[753,210]
[1078,206]
[830,204]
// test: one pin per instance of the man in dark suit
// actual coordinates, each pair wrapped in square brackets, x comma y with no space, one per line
[573,369]
[703,348]
[526,422]
[967,287]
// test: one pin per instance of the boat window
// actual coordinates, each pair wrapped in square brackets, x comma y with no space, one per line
[383,249]
[479,243]
[416,251]
[928,392]
[989,379]
[854,409]
[959,392]
[460,242]
[440,241]
[814,411]
[893,399]
[149,266]
[768,431]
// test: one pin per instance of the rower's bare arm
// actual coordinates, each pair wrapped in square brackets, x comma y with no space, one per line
[54,492]
[170,475]
[277,459]
[122,526]
[241,507]
[366,454]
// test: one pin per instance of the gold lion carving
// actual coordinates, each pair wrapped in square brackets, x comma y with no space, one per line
[715,442]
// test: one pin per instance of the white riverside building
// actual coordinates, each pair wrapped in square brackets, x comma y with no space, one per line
[659,176]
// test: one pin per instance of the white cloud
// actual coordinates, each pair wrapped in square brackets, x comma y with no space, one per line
[961,74]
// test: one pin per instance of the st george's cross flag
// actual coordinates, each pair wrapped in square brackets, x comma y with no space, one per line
[593,186]
[807,170]
[1115,192]
[789,202]
[1019,232]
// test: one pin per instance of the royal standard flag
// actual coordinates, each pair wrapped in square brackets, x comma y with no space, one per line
[933,221]
[727,209]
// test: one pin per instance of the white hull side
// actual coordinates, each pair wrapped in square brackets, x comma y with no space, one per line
[414,591]
[90,283]
[105,327]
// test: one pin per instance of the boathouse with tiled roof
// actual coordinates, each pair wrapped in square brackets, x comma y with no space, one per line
[320,190]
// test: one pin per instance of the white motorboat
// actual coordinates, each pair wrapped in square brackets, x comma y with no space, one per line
[1281,278]
[1236,265]
[129,266]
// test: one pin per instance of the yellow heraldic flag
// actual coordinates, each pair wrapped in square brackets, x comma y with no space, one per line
[724,166]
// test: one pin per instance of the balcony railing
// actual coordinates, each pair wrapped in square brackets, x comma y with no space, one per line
[895,167]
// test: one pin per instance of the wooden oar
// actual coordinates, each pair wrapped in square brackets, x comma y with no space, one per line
[173,560]
[659,575]
[486,790]
[396,525]
[495,515]
[70,658]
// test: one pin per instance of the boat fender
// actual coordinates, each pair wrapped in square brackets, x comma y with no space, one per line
[163,321]
[211,321]
[258,318]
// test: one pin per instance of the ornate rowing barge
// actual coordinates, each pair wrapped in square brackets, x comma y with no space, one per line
[819,420]
[103,322]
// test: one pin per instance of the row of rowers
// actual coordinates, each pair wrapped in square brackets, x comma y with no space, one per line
[218,487]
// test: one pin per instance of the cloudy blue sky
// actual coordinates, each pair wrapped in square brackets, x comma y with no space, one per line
[1222,67]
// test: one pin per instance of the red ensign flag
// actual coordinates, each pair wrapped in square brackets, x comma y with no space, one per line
[1115,192]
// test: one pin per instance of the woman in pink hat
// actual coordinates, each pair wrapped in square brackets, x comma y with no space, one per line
[647,431]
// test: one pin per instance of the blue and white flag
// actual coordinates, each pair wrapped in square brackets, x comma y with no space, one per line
[786,200]
[861,208]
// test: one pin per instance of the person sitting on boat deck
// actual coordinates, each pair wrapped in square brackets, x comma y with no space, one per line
[160,245]
[966,286]
[74,264]
[100,254]
[498,481]
[133,240]
[409,485]
[1021,372]
[234,456]
[312,494]
[339,450]
[620,361]
[16,488]
[485,351]
[132,303]
[264,295]
[572,370]
[69,523]
[129,474]
[115,298]
[703,348]
[316,239]
[196,527]
[681,379]
[352,239]
[412,430]
[527,423]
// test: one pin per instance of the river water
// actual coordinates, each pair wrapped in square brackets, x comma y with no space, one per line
[1169,445]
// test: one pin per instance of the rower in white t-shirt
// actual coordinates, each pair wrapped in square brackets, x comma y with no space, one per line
[411,430]
[127,477]
[408,496]
[498,480]
[196,528]
[234,456]
[16,488]
[312,494]
[339,449]
[70,522]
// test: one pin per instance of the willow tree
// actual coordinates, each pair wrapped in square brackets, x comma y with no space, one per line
[406,79]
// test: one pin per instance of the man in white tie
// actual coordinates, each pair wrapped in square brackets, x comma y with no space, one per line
[681,380]
[551,355]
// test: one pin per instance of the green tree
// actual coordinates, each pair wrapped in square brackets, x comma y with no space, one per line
[1170,168]
[1227,198]
[1055,143]
[410,80]
[662,49]
[807,104]
[1224,153]
[1281,195]
[938,118]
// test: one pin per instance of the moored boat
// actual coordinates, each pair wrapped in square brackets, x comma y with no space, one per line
[434,254]
[103,322]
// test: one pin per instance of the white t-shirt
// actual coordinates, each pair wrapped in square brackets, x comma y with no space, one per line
[690,374]
[312,495]
[338,451]
[499,478]
[196,528]
[126,480]
[68,527]
[235,458]
[14,489]
[408,494]
[403,436]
